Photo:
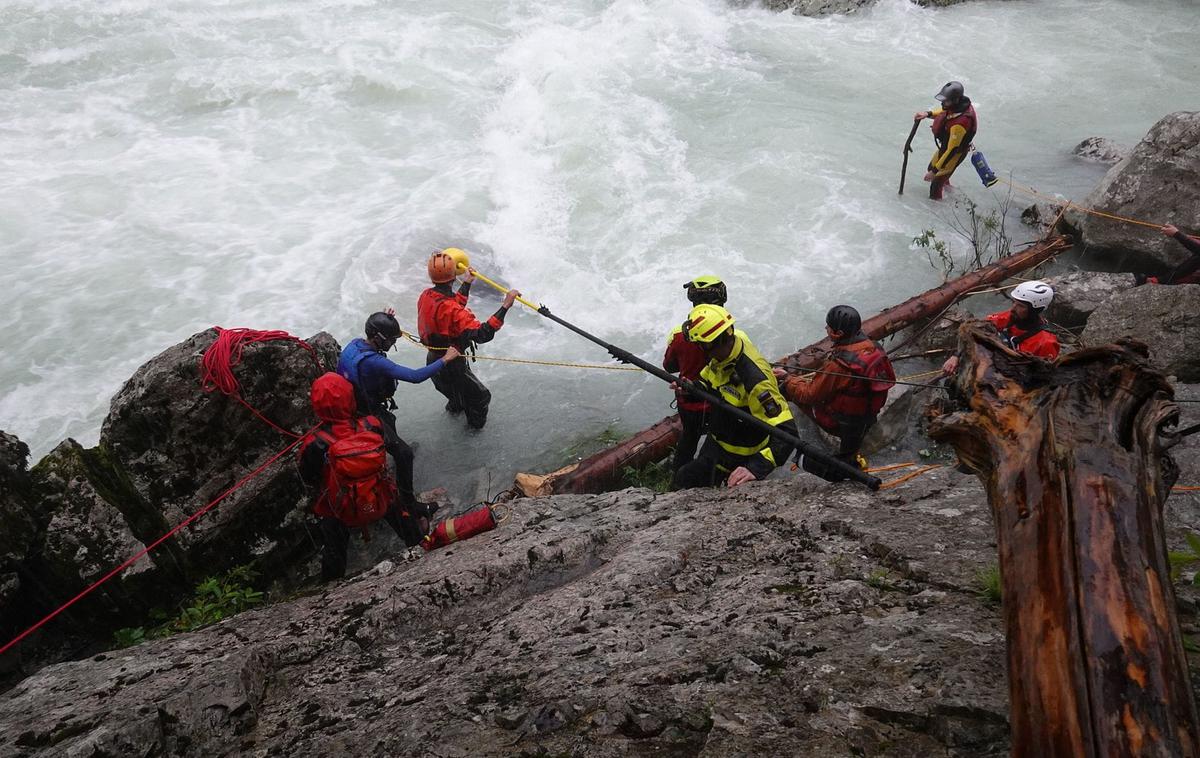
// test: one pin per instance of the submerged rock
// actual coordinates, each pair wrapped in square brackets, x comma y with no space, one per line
[1100,150]
[1159,182]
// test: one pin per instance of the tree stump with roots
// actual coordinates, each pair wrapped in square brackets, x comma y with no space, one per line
[1074,458]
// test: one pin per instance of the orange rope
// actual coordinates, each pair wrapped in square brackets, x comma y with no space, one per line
[910,475]
[1185,488]
[892,467]
[1069,204]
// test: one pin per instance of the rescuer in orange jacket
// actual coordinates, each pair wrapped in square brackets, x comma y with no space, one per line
[846,396]
[1022,326]
[687,359]
[954,127]
[443,320]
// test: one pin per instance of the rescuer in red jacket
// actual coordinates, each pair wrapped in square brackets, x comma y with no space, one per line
[1022,326]
[443,320]
[687,359]
[845,397]
[954,127]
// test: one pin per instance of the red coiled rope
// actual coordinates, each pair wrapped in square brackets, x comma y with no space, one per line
[216,365]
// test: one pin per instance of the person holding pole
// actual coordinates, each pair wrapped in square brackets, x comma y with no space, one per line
[954,127]
[444,321]
[735,451]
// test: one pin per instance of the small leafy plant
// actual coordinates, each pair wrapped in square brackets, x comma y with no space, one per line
[214,599]
[653,476]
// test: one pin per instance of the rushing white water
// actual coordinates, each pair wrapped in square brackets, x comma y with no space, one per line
[166,165]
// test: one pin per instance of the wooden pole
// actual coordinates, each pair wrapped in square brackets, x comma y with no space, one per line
[1073,456]
[602,470]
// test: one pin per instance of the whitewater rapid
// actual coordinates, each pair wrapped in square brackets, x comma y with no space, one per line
[168,165]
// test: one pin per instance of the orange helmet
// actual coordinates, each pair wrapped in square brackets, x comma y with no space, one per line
[442,268]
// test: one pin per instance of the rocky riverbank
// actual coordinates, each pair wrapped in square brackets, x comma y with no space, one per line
[787,616]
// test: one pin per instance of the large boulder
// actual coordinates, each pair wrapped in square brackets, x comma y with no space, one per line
[1159,182]
[167,448]
[18,527]
[1167,318]
[1078,294]
[779,618]
[182,447]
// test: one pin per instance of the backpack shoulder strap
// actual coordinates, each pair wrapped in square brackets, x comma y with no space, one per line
[1016,341]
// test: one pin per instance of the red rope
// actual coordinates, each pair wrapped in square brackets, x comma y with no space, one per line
[150,547]
[221,356]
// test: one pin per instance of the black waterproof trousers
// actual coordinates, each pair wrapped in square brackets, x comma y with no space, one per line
[462,389]
[851,431]
[335,539]
[689,439]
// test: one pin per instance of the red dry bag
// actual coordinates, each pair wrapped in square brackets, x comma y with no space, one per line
[460,528]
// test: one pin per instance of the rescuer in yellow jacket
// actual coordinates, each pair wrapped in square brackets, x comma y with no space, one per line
[954,127]
[735,451]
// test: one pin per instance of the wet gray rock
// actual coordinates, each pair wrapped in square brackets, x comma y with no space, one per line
[1158,182]
[1166,318]
[1100,150]
[18,527]
[166,449]
[785,617]
[1078,294]
[181,447]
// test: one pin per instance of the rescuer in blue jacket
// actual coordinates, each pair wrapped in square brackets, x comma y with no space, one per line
[365,363]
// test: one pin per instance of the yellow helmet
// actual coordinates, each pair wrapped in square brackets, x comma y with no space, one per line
[461,261]
[706,322]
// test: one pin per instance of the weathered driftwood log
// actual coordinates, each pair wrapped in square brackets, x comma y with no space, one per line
[603,469]
[1073,455]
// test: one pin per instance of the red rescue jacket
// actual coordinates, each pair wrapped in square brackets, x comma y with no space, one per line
[334,404]
[1039,341]
[686,359]
[443,319]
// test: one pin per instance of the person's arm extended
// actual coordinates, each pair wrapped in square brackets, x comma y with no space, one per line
[468,328]
[403,373]
[821,388]
[1191,243]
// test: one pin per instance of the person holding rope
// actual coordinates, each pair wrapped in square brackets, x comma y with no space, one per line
[845,397]
[1187,272]
[735,451]
[954,127]
[444,322]
[687,359]
[364,363]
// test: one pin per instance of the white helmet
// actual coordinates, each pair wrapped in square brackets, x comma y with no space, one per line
[1037,294]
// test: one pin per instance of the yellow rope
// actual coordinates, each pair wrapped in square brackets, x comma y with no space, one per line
[1067,203]
[416,342]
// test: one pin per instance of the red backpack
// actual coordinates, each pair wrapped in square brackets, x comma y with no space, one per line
[358,487]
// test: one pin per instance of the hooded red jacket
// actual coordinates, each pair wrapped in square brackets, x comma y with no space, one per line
[334,404]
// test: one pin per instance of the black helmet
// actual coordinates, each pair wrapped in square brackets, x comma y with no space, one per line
[952,92]
[382,323]
[844,319]
[706,289]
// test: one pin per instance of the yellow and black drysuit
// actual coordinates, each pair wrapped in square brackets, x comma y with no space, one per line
[744,380]
[954,128]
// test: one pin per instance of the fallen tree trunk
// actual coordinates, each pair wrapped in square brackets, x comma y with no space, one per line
[1073,456]
[602,470]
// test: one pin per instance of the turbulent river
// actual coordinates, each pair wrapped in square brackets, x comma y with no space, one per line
[168,165]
